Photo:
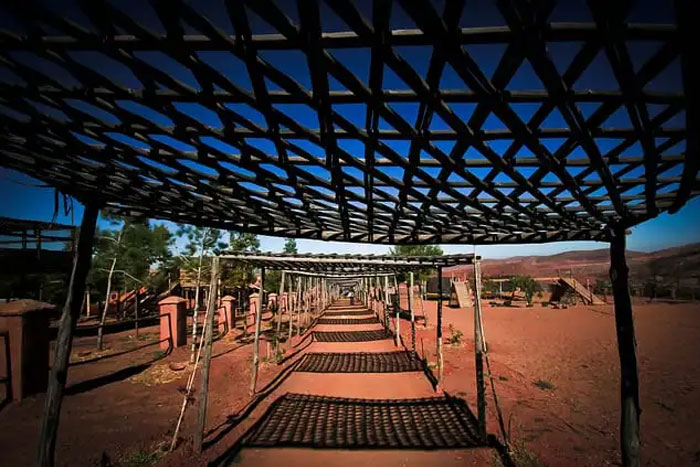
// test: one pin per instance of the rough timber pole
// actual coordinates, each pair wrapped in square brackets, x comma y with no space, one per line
[280,302]
[206,363]
[386,303]
[64,340]
[439,326]
[410,309]
[397,312]
[479,350]
[627,349]
[256,344]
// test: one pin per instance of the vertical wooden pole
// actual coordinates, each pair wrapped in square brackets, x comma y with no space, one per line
[64,339]
[627,349]
[136,311]
[87,302]
[280,302]
[258,321]
[441,361]
[397,312]
[410,309]
[422,303]
[294,294]
[479,350]
[386,303]
[206,364]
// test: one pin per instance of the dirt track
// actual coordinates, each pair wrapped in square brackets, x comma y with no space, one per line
[573,424]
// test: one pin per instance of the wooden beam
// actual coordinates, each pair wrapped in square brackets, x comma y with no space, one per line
[258,322]
[688,42]
[64,340]
[206,364]
[627,349]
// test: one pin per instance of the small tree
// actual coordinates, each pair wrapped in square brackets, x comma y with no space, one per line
[132,249]
[201,241]
[273,277]
[290,246]
[417,250]
[239,275]
[527,285]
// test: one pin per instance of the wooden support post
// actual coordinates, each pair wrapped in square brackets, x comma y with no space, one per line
[627,349]
[136,310]
[397,312]
[422,303]
[479,351]
[410,309]
[64,339]
[280,302]
[386,302]
[87,302]
[258,321]
[206,363]
[441,361]
[294,311]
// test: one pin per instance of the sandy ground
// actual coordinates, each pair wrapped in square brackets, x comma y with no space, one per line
[127,404]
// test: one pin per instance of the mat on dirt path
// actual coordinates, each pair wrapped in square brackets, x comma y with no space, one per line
[360,362]
[302,420]
[351,336]
[348,313]
[341,321]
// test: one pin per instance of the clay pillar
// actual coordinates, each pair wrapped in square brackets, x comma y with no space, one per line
[272,301]
[226,313]
[253,305]
[173,322]
[24,326]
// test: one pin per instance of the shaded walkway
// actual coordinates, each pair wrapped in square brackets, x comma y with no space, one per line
[353,392]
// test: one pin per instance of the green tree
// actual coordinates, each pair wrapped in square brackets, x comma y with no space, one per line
[238,275]
[290,246]
[527,285]
[273,277]
[129,252]
[201,241]
[417,250]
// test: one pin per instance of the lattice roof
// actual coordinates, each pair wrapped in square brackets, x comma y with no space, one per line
[20,232]
[376,122]
[356,265]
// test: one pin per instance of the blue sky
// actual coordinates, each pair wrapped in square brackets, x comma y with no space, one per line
[21,199]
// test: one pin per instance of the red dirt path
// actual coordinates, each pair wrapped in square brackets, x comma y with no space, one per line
[573,424]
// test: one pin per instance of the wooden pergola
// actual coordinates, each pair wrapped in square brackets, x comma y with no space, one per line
[317,277]
[195,115]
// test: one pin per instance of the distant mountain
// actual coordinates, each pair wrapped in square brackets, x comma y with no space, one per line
[682,261]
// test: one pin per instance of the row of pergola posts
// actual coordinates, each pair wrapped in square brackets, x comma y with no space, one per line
[299,301]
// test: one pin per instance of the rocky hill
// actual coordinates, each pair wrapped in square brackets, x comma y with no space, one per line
[682,262]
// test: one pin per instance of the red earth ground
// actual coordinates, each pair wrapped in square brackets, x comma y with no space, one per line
[112,414]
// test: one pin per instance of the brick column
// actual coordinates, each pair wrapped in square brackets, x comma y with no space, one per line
[272,300]
[253,306]
[226,313]
[173,321]
[24,325]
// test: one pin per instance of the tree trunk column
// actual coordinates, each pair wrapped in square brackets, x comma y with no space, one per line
[206,364]
[256,344]
[439,327]
[64,339]
[479,347]
[627,349]
[410,309]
